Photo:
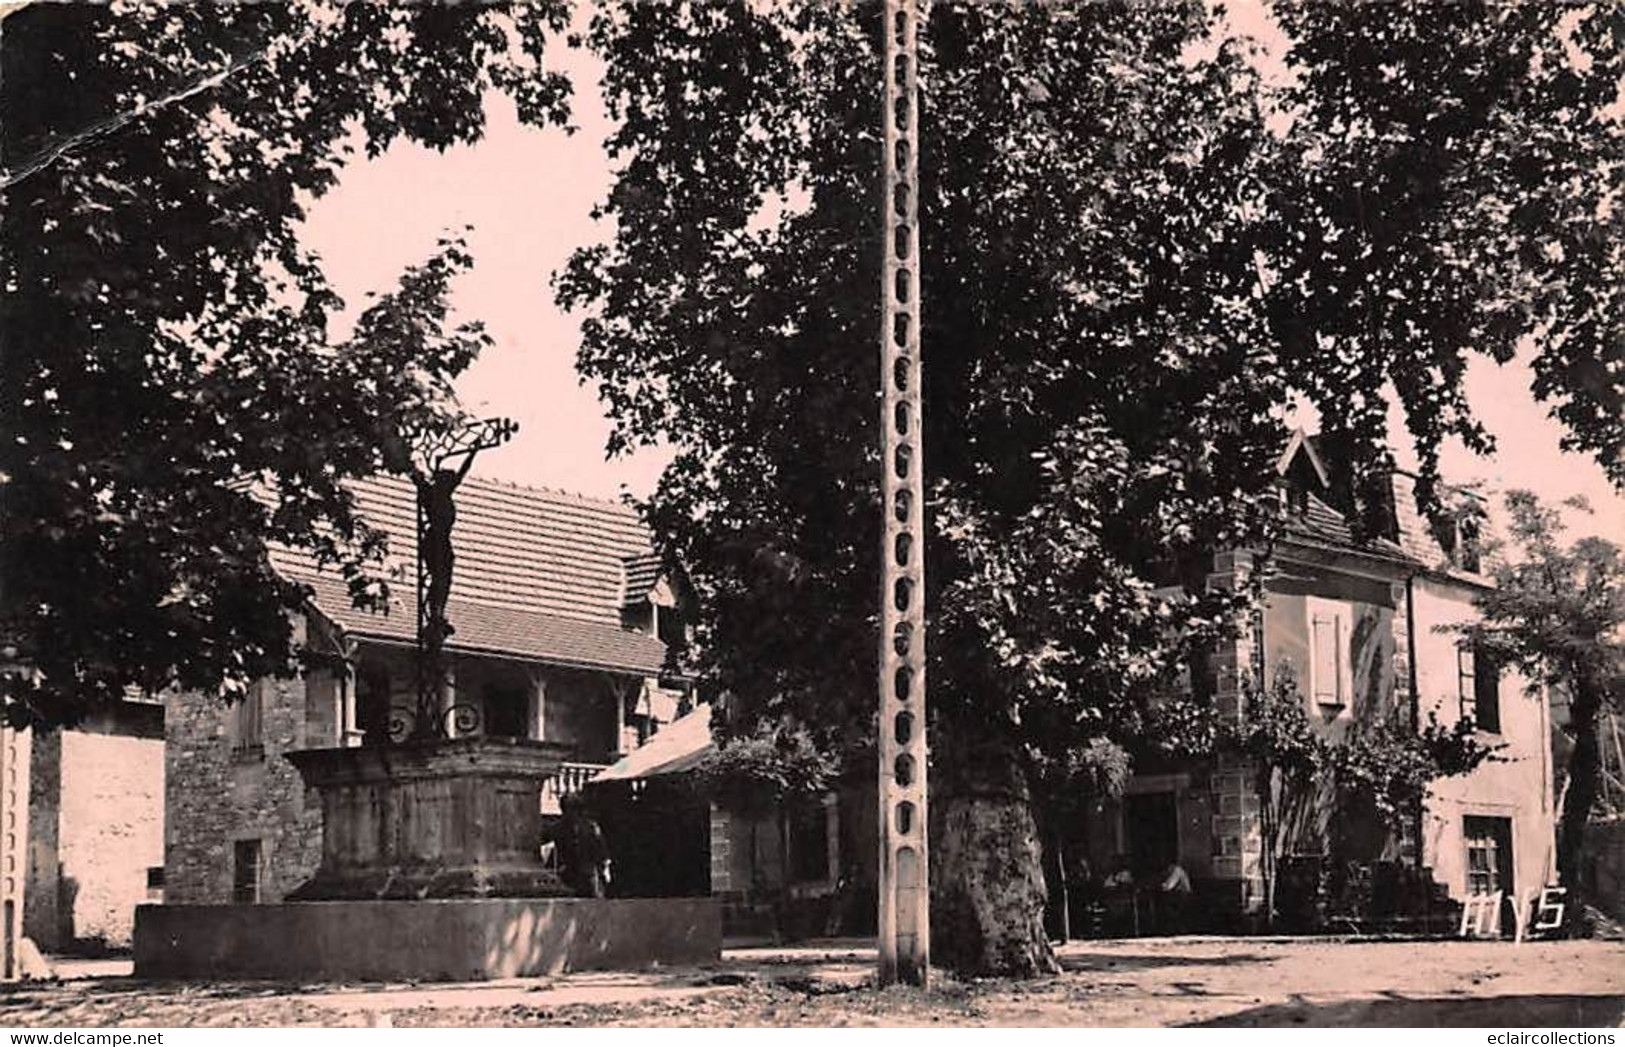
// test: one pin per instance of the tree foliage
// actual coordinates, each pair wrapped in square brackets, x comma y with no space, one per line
[1391,763]
[1557,613]
[173,404]
[1095,393]
[1386,763]
[1454,189]
[1133,252]
[764,771]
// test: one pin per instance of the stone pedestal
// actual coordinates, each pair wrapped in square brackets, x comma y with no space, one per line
[448,819]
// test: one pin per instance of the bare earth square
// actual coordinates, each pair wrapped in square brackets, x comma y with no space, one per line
[1145,982]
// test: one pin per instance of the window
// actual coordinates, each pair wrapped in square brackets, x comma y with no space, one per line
[1468,546]
[1459,535]
[246,715]
[372,704]
[507,712]
[1329,662]
[1489,854]
[1200,675]
[1478,688]
[245,872]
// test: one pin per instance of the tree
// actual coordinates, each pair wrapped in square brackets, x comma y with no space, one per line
[1452,191]
[173,406]
[1123,272]
[1095,390]
[1557,613]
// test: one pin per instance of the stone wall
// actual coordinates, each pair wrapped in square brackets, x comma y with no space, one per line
[431,940]
[1237,835]
[220,791]
[111,834]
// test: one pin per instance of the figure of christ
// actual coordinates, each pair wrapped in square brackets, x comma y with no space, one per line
[436,494]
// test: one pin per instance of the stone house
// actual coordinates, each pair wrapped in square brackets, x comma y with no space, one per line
[566,630]
[1357,623]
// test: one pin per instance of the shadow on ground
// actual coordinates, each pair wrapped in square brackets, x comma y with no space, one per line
[1393,1010]
[1073,962]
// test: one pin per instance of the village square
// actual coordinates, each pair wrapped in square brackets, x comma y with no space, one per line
[803,514]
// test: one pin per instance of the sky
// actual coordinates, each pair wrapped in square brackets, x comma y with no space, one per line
[528,194]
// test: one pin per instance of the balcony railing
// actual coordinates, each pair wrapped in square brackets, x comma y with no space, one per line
[569,781]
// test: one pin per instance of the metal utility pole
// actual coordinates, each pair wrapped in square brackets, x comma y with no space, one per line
[904,924]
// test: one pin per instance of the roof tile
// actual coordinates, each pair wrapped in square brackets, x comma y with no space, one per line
[538,574]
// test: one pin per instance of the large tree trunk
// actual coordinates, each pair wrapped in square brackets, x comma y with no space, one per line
[987,890]
[1584,766]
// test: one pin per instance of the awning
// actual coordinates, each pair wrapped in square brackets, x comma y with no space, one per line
[679,746]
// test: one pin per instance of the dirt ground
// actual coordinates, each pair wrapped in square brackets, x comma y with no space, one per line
[1235,982]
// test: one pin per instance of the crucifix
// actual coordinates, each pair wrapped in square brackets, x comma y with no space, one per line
[442,458]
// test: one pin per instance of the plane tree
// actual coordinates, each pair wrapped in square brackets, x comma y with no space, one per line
[1134,253]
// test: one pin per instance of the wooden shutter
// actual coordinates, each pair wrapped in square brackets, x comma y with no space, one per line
[1326,643]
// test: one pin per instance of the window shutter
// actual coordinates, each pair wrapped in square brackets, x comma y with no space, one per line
[245,717]
[1327,664]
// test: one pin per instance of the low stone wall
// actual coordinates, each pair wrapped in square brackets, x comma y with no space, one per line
[440,939]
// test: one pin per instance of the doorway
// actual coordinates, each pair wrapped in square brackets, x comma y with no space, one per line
[1151,830]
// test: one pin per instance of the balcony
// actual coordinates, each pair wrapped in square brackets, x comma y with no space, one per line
[569,781]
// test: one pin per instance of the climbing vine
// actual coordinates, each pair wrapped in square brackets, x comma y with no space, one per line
[1392,765]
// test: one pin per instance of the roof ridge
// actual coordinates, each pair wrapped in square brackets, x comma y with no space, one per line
[557,492]
[492,483]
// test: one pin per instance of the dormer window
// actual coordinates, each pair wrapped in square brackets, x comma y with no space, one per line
[1295,497]
[1459,530]
[1301,471]
[1468,552]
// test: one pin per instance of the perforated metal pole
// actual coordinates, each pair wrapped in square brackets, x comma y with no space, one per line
[904,923]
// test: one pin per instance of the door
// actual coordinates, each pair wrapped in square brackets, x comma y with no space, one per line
[1151,827]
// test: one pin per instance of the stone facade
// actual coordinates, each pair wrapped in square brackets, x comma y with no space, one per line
[1362,626]
[1237,832]
[222,791]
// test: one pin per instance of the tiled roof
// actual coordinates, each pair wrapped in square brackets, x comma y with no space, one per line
[1320,524]
[538,575]
[642,572]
